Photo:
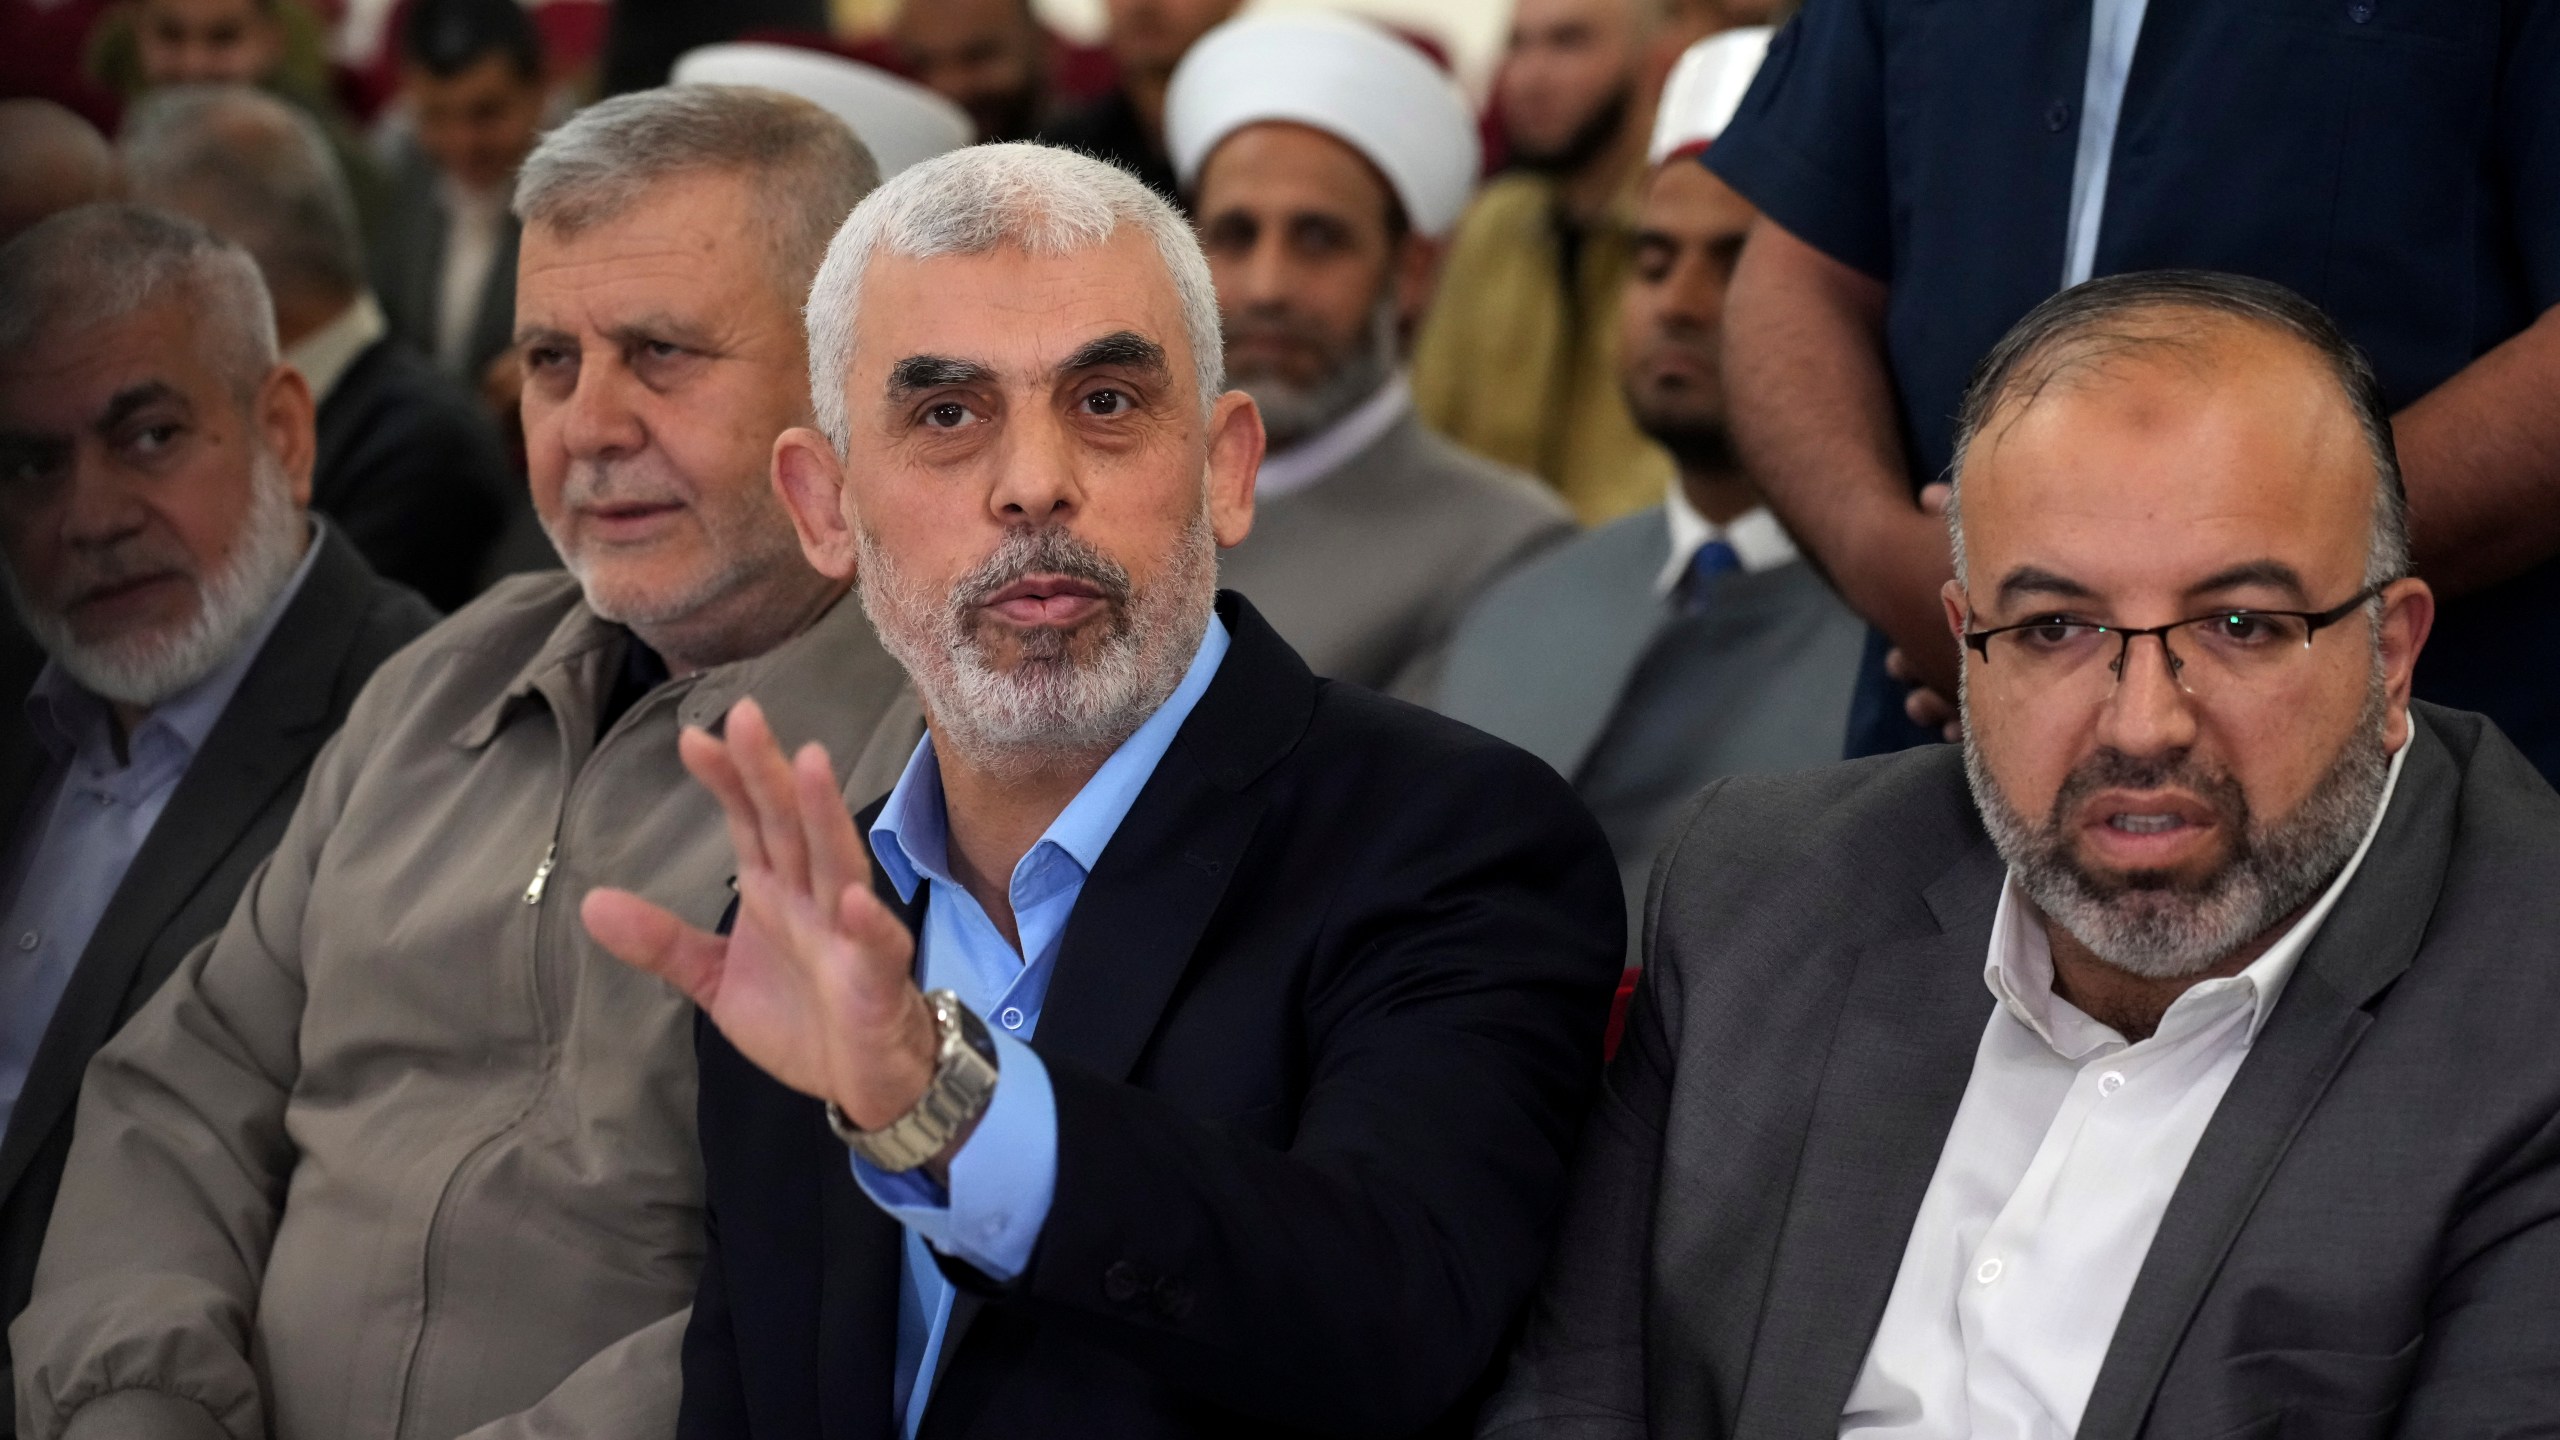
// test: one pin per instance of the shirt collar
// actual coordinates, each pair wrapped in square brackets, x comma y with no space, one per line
[1289,471]
[63,713]
[1758,540]
[912,835]
[2020,969]
[324,355]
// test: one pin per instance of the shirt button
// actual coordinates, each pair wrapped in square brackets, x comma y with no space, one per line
[30,940]
[1011,1018]
[1987,1271]
[2057,117]
[2111,1082]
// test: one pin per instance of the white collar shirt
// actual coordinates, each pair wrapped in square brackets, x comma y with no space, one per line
[1286,472]
[2050,1186]
[324,355]
[474,226]
[1758,540]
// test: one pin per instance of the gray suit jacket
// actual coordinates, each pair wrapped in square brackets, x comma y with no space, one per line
[1366,571]
[2365,1243]
[408,270]
[1573,658]
[218,827]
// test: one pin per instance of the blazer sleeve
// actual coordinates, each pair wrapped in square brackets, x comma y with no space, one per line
[1361,1280]
[147,1289]
[1578,1368]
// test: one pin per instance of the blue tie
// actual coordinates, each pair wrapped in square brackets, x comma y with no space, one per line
[1697,584]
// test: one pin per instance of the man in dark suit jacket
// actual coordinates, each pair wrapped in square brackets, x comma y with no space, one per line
[410,464]
[278,625]
[1317,978]
[2188,1073]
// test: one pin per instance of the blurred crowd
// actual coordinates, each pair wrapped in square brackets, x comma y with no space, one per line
[1613,412]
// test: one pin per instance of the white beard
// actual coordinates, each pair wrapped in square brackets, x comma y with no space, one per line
[1053,705]
[147,669]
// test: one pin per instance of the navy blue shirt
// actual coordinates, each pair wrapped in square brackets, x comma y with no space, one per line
[2395,161]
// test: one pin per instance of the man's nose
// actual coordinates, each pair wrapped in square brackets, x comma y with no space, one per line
[1037,479]
[600,421]
[2150,710]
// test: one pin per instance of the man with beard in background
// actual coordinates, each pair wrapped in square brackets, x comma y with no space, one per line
[1210,1038]
[1688,641]
[1147,40]
[197,638]
[1517,361]
[1325,159]
[396,1152]
[2173,1060]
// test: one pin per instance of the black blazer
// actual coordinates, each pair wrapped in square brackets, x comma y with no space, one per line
[411,468]
[1322,1031]
[225,816]
[2365,1243]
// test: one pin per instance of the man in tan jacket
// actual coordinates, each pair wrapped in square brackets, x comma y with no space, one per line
[400,1153]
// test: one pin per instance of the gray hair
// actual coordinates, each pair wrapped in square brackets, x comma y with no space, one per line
[1048,202]
[256,170]
[806,166]
[102,262]
[2087,325]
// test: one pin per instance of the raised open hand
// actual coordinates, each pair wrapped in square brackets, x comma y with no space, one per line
[815,980]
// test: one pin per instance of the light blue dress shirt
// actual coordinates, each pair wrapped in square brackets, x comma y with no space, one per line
[2114,26]
[85,821]
[1001,1181]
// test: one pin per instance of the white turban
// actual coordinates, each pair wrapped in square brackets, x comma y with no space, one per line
[900,122]
[1348,78]
[1704,90]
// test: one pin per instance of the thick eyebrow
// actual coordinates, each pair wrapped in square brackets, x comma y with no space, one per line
[2274,574]
[2030,580]
[1119,350]
[531,335]
[138,397]
[918,373]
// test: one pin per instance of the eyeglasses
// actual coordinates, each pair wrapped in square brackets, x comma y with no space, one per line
[2235,648]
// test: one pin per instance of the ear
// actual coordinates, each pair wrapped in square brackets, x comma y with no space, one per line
[285,417]
[2408,613]
[1959,608]
[810,479]
[1235,457]
[1417,275]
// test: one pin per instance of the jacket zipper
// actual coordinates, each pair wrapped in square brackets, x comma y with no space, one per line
[542,873]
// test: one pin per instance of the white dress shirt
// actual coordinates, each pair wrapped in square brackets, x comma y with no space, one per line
[474,222]
[2052,1182]
[1758,540]
[2114,26]
[324,355]
[1285,472]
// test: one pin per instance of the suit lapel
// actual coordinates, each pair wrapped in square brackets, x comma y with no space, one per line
[1896,1071]
[1159,881]
[275,723]
[2370,938]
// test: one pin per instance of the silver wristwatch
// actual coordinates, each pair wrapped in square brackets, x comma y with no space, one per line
[964,1080]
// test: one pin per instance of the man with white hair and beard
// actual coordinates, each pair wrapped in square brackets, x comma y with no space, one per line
[397,1153]
[1210,1038]
[2176,1059]
[1326,160]
[199,637]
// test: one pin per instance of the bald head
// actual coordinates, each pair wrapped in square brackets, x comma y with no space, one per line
[259,173]
[2214,333]
[50,161]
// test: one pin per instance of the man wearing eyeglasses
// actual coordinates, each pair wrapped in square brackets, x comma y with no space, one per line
[2178,1062]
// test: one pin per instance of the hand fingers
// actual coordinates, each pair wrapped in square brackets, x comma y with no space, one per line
[836,856]
[768,782]
[706,758]
[1934,497]
[1897,666]
[649,938]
